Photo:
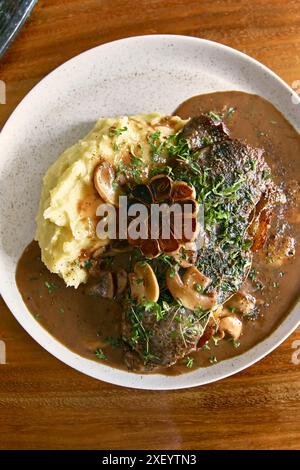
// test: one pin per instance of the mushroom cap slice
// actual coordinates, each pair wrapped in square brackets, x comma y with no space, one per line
[231,325]
[243,302]
[143,283]
[104,287]
[193,276]
[104,177]
[183,289]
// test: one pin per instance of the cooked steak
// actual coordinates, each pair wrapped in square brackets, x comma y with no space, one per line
[234,185]
[203,130]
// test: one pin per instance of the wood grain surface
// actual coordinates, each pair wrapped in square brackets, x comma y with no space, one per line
[45,404]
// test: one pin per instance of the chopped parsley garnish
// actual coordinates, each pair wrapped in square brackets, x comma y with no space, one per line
[88,264]
[107,261]
[198,288]
[116,131]
[235,343]
[266,175]
[139,162]
[113,342]
[232,309]
[260,134]
[158,170]
[189,362]
[253,277]
[253,164]
[115,185]
[155,144]
[136,161]
[155,308]
[139,333]
[230,111]
[51,287]
[100,354]
[214,116]
[205,347]
[213,359]
[133,169]
[259,286]
[253,274]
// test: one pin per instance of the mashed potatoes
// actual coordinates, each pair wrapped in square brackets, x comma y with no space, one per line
[66,219]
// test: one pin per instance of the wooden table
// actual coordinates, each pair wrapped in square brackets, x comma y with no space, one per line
[45,404]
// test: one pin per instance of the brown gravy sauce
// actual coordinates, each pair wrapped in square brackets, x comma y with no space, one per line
[84,323]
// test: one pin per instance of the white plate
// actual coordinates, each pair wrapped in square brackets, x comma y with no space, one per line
[149,73]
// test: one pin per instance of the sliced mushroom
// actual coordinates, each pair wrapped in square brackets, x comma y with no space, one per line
[143,283]
[231,325]
[104,178]
[193,277]
[107,284]
[121,280]
[243,302]
[184,289]
[104,287]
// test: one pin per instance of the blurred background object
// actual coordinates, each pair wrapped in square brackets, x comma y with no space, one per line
[13,14]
